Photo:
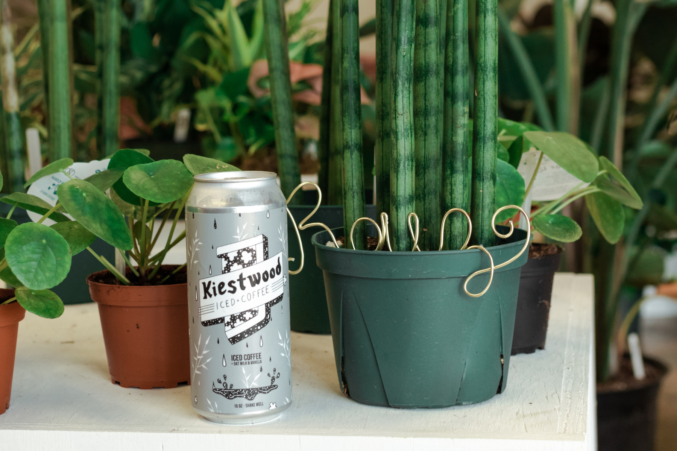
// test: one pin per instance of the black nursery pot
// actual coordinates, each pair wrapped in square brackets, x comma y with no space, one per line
[533,303]
[626,420]
[308,302]
[406,334]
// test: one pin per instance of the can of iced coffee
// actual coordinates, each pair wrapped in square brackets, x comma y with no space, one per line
[238,293]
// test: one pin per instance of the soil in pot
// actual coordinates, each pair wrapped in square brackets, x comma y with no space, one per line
[626,408]
[10,315]
[145,329]
[533,301]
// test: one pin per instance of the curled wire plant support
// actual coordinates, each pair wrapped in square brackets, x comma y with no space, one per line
[500,235]
[414,236]
[383,237]
[444,220]
[303,226]
[379,246]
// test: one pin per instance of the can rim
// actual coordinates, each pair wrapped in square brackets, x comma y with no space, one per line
[235,176]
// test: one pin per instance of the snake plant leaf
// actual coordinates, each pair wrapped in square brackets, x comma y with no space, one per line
[43,303]
[203,165]
[608,215]
[510,189]
[567,151]
[33,203]
[632,199]
[38,255]
[121,161]
[161,181]
[557,227]
[75,234]
[52,168]
[96,212]
[6,226]
[105,179]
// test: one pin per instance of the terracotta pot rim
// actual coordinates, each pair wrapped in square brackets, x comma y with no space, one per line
[11,314]
[136,296]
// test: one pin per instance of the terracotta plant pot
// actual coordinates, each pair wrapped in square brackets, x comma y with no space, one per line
[10,315]
[145,329]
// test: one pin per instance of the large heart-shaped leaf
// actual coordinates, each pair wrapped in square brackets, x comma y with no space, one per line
[608,215]
[76,235]
[34,204]
[557,227]
[634,200]
[96,212]
[121,161]
[39,257]
[161,181]
[43,303]
[509,189]
[6,226]
[105,179]
[52,168]
[203,165]
[567,151]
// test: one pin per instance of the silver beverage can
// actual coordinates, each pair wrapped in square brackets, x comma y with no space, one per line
[238,292]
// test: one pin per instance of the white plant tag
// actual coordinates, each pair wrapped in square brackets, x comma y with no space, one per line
[34,154]
[551,183]
[182,125]
[45,188]
[636,356]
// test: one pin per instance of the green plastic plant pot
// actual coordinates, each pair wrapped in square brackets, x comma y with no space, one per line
[308,302]
[406,334]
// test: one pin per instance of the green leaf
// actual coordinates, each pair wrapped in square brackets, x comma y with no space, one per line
[52,168]
[234,84]
[32,203]
[647,268]
[1,181]
[202,165]
[7,275]
[516,149]
[96,212]
[511,130]
[608,215]
[238,43]
[161,181]
[503,154]
[615,191]
[510,189]
[137,235]
[567,151]
[39,257]
[105,179]
[557,227]
[76,235]
[43,303]
[121,161]
[634,200]
[6,226]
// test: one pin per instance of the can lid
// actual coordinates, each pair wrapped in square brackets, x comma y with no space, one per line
[235,176]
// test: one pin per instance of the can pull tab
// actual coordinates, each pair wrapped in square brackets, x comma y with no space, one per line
[303,226]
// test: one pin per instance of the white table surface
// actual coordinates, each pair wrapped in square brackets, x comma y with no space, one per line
[63,398]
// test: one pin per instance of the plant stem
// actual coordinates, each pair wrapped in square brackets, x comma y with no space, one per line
[572,192]
[402,158]
[456,145]
[169,244]
[173,272]
[427,145]
[526,67]
[335,194]
[324,143]
[58,72]
[384,62]
[142,244]
[129,264]
[49,213]
[351,125]
[11,210]
[577,196]
[486,123]
[277,53]
[10,103]
[110,267]
[8,301]
[162,225]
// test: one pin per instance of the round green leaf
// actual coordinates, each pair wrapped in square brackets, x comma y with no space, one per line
[631,199]
[161,181]
[39,257]
[40,302]
[52,168]
[567,151]
[203,165]
[7,275]
[76,235]
[33,203]
[509,189]
[120,161]
[96,212]
[557,227]
[608,215]
[105,179]
[615,191]
[6,226]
